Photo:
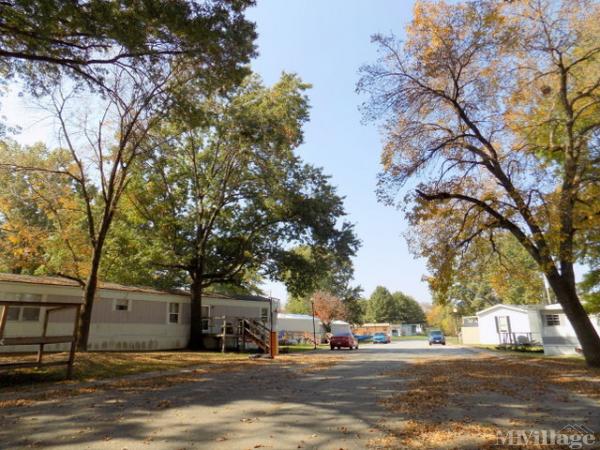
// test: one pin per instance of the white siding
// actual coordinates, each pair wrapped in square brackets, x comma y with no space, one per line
[488,334]
[144,327]
[561,339]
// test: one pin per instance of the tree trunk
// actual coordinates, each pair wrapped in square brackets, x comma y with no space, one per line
[89,294]
[585,331]
[196,340]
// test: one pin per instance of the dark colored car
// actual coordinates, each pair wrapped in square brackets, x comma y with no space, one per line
[343,340]
[437,337]
[381,338]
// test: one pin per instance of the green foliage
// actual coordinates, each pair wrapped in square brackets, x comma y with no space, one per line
[224,199]
[398,307]
[484,275]
[590,285]
[298,305]
[408,309]
[43,38]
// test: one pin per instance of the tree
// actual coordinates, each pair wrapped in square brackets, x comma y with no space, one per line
[495,107]
[328,308]
[483,275]
[408,309]
[224,196]
[381,306]
[41,217]
[331,273]
[43,38]
[298,305]
[442,317]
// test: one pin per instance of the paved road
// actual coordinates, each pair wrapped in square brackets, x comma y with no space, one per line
[279,407]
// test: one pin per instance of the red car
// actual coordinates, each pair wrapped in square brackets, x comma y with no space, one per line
[343,340]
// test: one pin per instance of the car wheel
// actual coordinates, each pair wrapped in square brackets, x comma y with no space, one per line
[443,343]
[430,344]
[332,347]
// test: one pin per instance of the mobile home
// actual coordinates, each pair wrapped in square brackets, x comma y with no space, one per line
[125,317]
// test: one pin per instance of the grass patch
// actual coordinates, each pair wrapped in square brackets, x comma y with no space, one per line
[298,348]
[419,337]
[91,366]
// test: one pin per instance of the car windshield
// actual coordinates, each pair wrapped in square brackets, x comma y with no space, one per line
[436,333]
[379,334]
[342,335]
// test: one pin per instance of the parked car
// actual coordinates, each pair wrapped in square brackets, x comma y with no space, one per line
[381,338]
[437,337]
[363,337]
[343,340]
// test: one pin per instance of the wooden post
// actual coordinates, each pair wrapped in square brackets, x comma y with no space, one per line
[44,330]
[74,342]
[244,335]
[3,318]
[224,335]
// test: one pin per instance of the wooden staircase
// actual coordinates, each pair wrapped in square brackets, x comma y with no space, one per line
[256,332]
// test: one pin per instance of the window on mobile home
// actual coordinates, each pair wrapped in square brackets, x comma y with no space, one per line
[264,314]
[205,317]
[121,304]
[14,312]
[552,320]
[24,313]
[173,312]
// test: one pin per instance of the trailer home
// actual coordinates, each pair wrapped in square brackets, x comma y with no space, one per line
[127,317]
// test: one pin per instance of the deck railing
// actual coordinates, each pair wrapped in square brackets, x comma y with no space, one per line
[519,338]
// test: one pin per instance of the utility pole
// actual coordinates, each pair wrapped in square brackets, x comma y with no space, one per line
[548,298]
[312,302]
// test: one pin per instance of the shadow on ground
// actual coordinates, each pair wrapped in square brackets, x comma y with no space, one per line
[279,406]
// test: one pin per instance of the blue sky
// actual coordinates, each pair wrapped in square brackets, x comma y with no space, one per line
[325,43]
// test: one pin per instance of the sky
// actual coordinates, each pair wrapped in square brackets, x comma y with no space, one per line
[325,43]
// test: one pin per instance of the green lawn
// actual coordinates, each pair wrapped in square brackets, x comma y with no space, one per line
[301,348]
[409,338]
[528,354]
[449,339]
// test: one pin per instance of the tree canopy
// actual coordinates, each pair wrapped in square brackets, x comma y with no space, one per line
[398,307]
[41,39]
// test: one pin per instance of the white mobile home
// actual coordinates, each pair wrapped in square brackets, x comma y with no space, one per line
[509,324]
[297,328]
[123,317]
[545,325]
[558,335]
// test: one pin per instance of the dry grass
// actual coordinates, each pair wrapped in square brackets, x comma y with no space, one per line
[92,366]
[35,385]
[435,390]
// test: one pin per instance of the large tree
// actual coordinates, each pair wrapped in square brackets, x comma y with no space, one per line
[493,108]
[408,309]
[224,195]
[382,307]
